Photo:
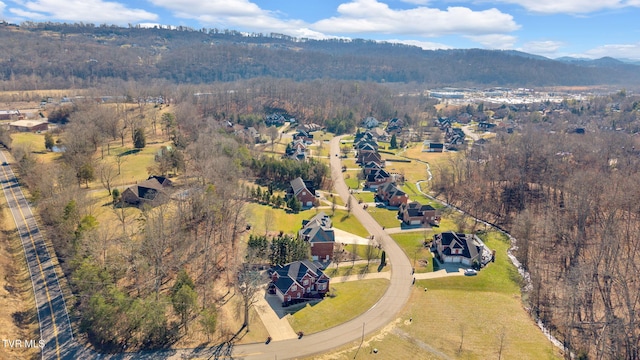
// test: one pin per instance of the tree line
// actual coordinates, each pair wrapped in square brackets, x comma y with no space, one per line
[571,202]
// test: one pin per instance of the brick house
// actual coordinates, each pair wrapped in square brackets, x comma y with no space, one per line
[376,178]
[414,213]
[390,194]
[319,234]
[298,281]
[303,191]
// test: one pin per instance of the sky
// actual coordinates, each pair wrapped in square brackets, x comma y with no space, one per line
[551,28]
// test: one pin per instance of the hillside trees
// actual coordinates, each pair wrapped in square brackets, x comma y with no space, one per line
[569,201]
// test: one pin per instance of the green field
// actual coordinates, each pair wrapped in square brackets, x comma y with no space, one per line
[365,196]
[351,300]
[265,218]
[462,318]
[412,243]
[386,218]
[351,179]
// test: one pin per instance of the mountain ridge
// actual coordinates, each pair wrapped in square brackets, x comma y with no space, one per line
[81,53]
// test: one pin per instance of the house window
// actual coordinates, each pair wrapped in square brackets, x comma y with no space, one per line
[294,287]
[320,286]
[305,282]
[304,193]
[298,295]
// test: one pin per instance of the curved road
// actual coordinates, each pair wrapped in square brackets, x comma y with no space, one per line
[383,312]
[54,320]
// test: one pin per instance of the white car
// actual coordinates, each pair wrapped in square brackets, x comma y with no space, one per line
[470,272]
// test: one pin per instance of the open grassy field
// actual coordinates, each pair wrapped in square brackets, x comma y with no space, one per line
[352,299]
[461,318]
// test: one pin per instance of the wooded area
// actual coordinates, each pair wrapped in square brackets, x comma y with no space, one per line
[571,201]
[61,56]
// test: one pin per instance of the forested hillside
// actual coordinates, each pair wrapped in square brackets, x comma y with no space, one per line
[80,55]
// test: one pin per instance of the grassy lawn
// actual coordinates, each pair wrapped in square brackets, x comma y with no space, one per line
[350,163]
[412,245]
[352,299]
[366,196]
[351,179]
[264,218]
[348,224]
[384,217]
[333,271]
[475,312]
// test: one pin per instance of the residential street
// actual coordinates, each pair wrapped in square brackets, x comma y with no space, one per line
[57,333]
[383,312]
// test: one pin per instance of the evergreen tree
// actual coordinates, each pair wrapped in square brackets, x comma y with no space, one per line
[48,141]
[139,140]
[393,144]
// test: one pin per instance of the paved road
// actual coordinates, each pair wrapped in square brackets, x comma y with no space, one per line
[383,312]
[54,319]
[55,328]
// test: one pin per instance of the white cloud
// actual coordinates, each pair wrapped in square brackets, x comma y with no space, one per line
[95,11]
[572,6]
[548,48]
[494,41]
[237,14]
[619,51]
[415,2]
[426,45]
[372,16]
[2,6]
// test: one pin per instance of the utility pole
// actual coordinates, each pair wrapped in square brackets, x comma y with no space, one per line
[361,342]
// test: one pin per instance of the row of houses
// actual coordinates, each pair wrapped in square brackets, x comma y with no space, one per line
[370,160]
[298,148]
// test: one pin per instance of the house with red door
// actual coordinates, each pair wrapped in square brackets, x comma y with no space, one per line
[298,281]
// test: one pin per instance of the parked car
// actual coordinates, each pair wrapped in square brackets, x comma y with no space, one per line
[470,272]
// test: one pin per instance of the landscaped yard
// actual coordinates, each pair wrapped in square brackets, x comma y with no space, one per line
[462,318]
[386,218]
[356,269]
[351,179]
[365,196]
[265,218]
[412,243]
[352,299]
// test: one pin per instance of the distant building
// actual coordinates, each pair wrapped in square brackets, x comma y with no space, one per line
[29,125]
[10,114]
[152,192]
